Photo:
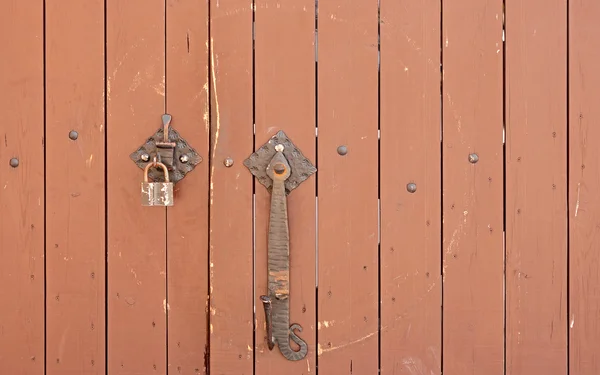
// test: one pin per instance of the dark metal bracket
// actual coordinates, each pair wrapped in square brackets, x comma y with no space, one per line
[170,149]
[281,167]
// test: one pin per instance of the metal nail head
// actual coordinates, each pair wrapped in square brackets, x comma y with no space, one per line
[411,187]
[473,158]
[342,150]
[228,162]
[14,162]
[145,157]
[73,135]
[184,159]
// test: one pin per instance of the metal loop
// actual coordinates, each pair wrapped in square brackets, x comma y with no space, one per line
[156,164]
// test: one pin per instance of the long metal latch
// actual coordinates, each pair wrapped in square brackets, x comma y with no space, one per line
[280,167]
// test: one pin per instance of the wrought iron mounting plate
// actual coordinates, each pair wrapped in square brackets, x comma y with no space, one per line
[301,167]
[178,170]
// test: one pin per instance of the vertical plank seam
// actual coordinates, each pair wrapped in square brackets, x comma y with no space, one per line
[45,184]
[568,151]
[379,185]
[106,247]
[441,270]
[210,185]
[166,258]
[254,321]
[316,51]
[504,185]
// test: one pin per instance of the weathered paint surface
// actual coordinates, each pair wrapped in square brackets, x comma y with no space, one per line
[450,227]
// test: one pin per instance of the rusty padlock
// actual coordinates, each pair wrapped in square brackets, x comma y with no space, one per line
[157,193]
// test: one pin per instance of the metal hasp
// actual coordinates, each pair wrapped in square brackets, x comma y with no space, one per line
[280,167]
[167,146]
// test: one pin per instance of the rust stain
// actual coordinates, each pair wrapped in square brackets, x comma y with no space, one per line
[280,275]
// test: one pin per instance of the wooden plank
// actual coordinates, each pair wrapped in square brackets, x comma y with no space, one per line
[584,183]
[136,234]
[22,197]
[411,282]
[472,247]
[348,268]
[231,289]
[75,208]
[536,173]
[285,100]
[187,220]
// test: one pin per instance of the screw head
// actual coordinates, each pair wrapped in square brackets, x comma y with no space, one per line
[342,150]
[473,158]
[411,187]
[228,162]
[279,148]
[14,162]
[145,157]
[73,135]
[184,159]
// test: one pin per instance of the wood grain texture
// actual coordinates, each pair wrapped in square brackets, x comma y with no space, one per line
[411,281]
[22,189]
[231,286]
[536,173]
[187,221]
[472,247]
[584,183]
[136,235]
[75,188]
[285,100]
[348,304]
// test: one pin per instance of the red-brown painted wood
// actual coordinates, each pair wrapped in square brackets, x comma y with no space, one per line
[75,188]
[137,336]
[473,204]
[231,284]
[584,183]
[536,187]
[187,220]
[22,197]
[348,268]
[411,281]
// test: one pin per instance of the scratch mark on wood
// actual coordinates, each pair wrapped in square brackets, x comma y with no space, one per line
[137,81]
[217,118]
[88,162]
[321,351]
[415,366]
[577,204]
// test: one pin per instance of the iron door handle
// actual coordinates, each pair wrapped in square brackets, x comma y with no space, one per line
[280,167]
[276,304]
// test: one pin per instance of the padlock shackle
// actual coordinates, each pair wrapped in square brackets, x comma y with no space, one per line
[156,164]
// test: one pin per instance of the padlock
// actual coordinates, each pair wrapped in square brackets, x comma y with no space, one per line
[157,193]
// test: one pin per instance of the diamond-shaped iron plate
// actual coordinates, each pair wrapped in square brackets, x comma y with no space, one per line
[301,167]
[179,169]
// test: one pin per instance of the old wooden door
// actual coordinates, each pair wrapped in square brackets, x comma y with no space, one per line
[451,225]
